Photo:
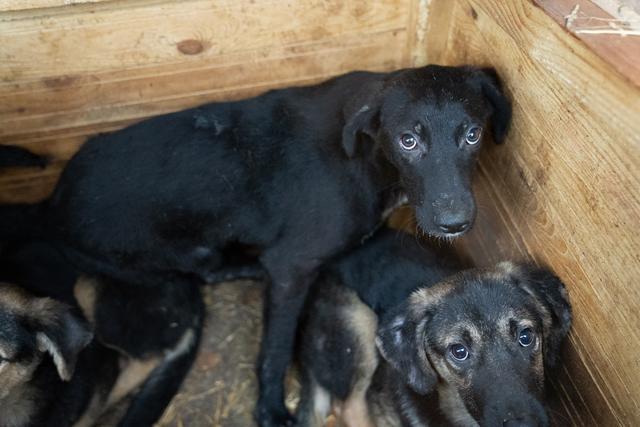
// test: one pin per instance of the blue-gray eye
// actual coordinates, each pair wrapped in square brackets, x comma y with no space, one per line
[459,352]
[526,337]
[408,141]
[473,135]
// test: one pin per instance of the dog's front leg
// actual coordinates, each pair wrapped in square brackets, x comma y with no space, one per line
[284,300]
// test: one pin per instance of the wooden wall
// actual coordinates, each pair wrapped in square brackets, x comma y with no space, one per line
[67,72]
[564,190]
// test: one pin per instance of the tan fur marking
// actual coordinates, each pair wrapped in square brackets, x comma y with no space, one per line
[96,407]
[427,297]
[321,405]
[85,292]
[18,302]
[17,398]
[451,403]
[355,411]
[363,322]
[136,371]
[131,377]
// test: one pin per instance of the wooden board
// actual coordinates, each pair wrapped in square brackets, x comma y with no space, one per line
[70,72]
[601,32]
[9,5]
[563,191]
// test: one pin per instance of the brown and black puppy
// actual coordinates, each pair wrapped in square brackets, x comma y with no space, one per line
[470,350]
[49,371]
[144,342]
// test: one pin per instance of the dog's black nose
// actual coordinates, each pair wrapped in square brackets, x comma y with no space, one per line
[454,227]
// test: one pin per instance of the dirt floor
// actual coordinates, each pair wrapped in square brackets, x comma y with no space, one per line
[221,389]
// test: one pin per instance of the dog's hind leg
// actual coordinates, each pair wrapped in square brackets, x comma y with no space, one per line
[362,324]
[162,384]
[315,404]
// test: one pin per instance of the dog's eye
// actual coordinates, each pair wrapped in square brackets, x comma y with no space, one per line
[459,352]
[526,337]
[408,141]
[473,135]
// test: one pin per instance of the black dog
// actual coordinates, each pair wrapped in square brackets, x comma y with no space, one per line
[295,175]
[471,349]
[145,341]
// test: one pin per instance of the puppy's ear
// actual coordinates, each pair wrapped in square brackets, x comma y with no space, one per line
[361,117]
[400,341]
[492,89]
[61,334]
[553,300]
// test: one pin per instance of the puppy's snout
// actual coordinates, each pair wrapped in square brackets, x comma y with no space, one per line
[454,227]
[454,222]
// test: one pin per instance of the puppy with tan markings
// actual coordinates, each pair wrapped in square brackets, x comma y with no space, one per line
[472,349]
[145,342]
[48,369]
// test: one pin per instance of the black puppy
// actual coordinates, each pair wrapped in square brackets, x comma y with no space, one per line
[296,175]
[145,340]
[471,349]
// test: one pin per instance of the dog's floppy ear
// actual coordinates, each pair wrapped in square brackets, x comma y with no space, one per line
[551,296]
[60,333]
[361,117]
[400,341]
[501,105]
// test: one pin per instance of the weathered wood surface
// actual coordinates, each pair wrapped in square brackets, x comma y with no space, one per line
[11,5]
[70,72]
[564,191]
[582,18]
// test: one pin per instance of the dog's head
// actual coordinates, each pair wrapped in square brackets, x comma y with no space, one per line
[430,123]
[483,340]
[31,329]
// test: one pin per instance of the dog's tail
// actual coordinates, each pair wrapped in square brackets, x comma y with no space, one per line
[20,220]
[12,156]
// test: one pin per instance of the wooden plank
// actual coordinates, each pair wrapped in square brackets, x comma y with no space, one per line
[67,73]
[621,51]
[12,5]
[564,191]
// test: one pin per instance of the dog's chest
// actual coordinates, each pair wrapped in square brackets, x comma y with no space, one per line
[395,203]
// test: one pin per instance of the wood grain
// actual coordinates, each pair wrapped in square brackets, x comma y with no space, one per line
[622,52]
[12,5]
[564,192]
[70,72]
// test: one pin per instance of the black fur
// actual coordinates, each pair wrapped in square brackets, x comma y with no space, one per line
[299,174]
[11,156]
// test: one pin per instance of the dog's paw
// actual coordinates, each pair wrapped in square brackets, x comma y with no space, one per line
[267,417]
